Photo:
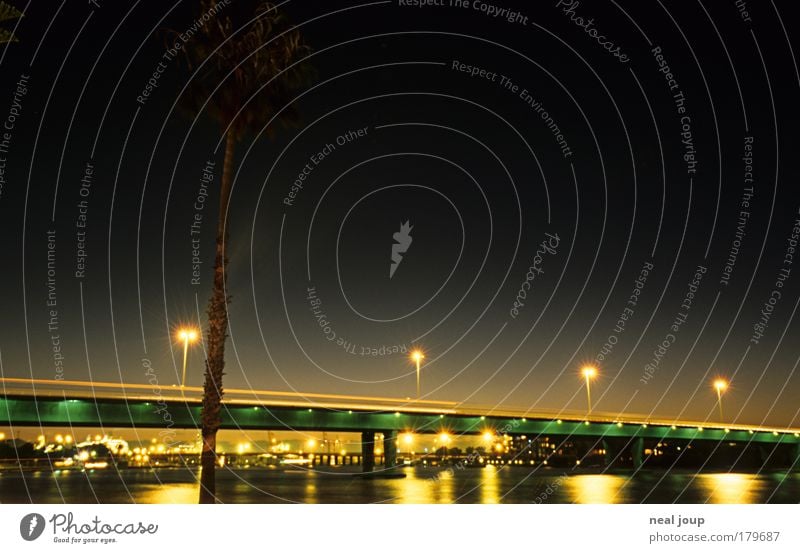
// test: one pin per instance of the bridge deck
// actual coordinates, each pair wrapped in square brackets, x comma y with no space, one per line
[40,403]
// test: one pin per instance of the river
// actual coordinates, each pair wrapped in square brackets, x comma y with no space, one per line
[421,485]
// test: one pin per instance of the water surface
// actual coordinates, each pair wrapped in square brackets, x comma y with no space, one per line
[421,485]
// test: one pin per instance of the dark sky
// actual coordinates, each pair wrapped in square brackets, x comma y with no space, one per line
[626,181]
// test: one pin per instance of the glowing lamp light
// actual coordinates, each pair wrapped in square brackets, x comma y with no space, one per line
[720,385]
[188,334]
[589,373]
[417,356]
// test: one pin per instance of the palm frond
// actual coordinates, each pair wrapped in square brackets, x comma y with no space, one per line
[245,72]
[7,36]
[8,12]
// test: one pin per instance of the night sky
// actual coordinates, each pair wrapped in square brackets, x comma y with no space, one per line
[608,186]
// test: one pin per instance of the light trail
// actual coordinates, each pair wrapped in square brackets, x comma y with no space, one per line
[199,390]
[350,402]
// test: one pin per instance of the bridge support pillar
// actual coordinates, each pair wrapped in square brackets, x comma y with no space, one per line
[764,453]
[612,450]
[389,449]
[796,457]
[367,451]
[637,452]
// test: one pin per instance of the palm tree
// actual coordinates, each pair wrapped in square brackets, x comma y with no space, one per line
[235,54]
[8,13]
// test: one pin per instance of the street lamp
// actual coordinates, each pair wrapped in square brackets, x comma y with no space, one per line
[589,373]
[417,356]
[408,440]
[720,386]
[444,438]
[186,335]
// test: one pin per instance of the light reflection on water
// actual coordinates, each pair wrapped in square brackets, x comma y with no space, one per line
[172,493]
[421,486]
[418,489]
[596,488]
[490,485]
[441,490]
[730,487]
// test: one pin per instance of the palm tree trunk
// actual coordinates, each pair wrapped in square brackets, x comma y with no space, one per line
[216,335]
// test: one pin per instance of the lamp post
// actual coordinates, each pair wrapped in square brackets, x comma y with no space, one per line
[444,438]
[417,356]
[186,335]
[589,373]
[720,386]
[408,439]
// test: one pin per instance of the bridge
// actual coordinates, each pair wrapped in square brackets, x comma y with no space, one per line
[46,403]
